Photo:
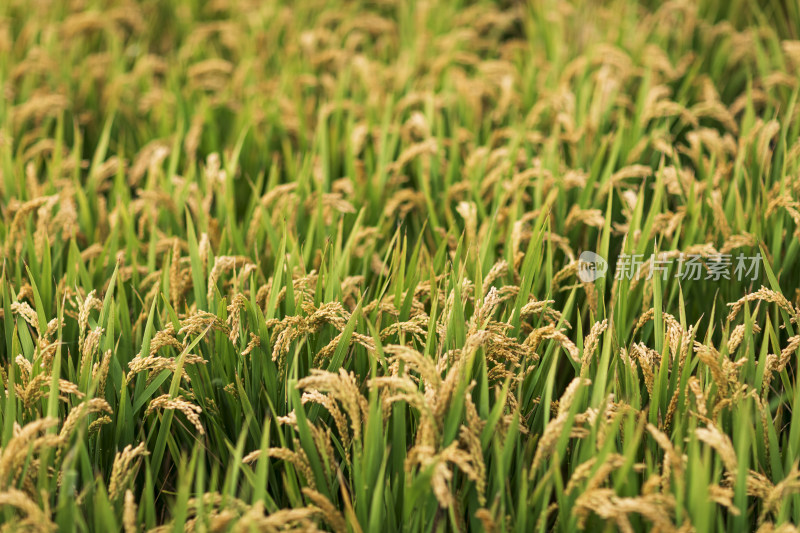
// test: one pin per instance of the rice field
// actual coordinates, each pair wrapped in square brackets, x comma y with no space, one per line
[395,266]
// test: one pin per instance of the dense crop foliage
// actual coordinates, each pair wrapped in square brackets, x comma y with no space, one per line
[315,265]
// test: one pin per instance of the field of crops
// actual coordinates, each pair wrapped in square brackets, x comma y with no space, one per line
[400,266]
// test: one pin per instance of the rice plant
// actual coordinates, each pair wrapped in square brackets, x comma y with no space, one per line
[426,265]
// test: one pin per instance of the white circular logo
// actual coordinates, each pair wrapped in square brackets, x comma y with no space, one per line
[591,266]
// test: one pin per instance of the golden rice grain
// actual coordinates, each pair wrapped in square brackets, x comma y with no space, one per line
[331,514]
[36,518]
[591,342]
[722,444]
[552,432]
[297,459]
[763,294]
[124,469]
[189,410]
